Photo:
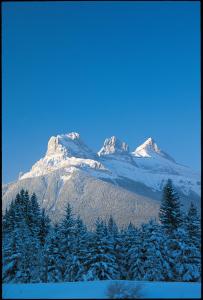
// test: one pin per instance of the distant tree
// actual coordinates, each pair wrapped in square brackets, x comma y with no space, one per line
[112,227]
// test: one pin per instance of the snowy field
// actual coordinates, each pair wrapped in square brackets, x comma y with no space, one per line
[98,289]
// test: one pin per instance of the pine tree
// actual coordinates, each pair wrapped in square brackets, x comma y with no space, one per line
[10,257]
[193,226]
[10,249]
[51,264]
[77,269]
[112,227]
[183,257]
[26,248]
[170,212]
[42,231]
[34,215]
[146,255]
[28,253]
[120,253]
[129,241]
[100,263]
[67,236]
[9,219]
[117,240]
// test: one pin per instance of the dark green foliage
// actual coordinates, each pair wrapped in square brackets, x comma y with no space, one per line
[170,212]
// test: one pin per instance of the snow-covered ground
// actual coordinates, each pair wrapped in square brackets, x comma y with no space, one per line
[98,290]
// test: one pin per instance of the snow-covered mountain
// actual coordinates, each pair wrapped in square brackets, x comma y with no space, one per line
[104,181]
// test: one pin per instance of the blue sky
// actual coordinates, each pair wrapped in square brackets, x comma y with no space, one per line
[128,69]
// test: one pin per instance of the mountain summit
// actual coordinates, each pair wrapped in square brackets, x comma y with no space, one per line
[68,145]
[127,185]
[149,148]
[113,146]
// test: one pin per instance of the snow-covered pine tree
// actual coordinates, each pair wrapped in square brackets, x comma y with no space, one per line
[28,254]
[10,258]
[120,252]
[170,211]
[28,241]
[117,237]
[193,226]
[100,262]
[43,222]
[183,257]
[11,253]
[131,239]
[77,269]
[183,248]
[9,219]
[17,230]
[34,215]
[146,255]
[67,238]
[51,264]
[26,206]
[112,227]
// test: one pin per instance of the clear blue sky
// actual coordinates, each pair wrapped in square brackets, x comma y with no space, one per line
[128,69]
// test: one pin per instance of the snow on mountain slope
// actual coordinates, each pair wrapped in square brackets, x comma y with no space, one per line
[114,181]
[147,164]
[150,149]
[113,146]
[90,198]
[68,145]
[150,166]
[65,151]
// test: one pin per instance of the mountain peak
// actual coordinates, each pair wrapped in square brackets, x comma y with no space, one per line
[150,145]
[150,141]
[68,145]
[73,135]
[149,148]
[113,146]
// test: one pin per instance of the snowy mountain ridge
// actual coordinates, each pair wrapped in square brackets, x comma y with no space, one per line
[147,164]
[149,148]
[114,181]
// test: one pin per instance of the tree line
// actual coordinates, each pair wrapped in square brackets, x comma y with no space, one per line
[35,250]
